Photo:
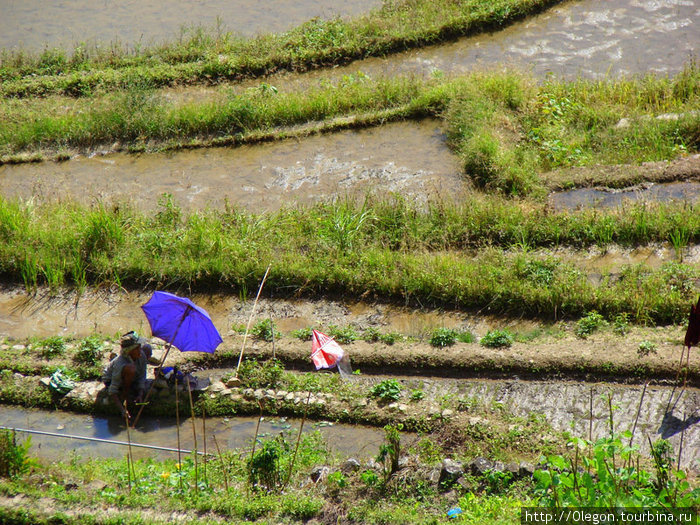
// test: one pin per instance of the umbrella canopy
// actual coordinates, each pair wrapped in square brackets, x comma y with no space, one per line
[180,322]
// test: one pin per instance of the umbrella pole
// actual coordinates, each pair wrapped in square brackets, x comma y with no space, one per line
[194,433]
[250,319]
[153,383]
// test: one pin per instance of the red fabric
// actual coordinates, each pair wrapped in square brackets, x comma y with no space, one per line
[692,335]
[325,352]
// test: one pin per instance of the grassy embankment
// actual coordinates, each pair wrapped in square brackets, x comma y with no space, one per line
[270,483]
[506,129]
[209,56]
[474,254]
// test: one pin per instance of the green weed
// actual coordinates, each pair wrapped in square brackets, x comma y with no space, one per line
[497,339]
[386,391]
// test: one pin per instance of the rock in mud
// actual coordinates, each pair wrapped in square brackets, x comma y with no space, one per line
[480,466]
[319,473]
[350,465]
[451,471]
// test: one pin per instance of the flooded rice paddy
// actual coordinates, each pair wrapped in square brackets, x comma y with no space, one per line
[407,158]
[35,24]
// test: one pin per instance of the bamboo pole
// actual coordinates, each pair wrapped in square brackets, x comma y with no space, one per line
[177,426]
[194,434]
[296,448]
[224,468]
[204,437]
[129,456]
[250,319]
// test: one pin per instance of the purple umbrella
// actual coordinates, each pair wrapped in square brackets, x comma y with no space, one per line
[180,323]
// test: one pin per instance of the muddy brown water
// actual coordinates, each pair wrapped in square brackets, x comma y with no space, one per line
[231,433]
[35,24]
[685,192]
[410,159]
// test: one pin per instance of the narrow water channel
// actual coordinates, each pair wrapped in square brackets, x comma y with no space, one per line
[231,433]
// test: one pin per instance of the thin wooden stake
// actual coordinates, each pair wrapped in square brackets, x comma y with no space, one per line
[128,453]
[636,419]
[204,437]
[272,327]
[221,459]
[250,319]
[194,434]
[296,448]
[680,446]
[590,419]
[177,426]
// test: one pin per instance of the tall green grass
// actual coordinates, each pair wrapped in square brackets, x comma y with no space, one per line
[476,254]
[210,56]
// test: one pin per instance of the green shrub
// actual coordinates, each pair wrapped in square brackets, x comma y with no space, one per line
[417,395]
[260,375]
[621,324]
[52,347]
[390,338]
[609,476]
[589,324]
[388,390]
[265,330]
[646,348]
[89,351]
[14,458]
[264,470]
[497,339]
[343,335]
[303,333]
[442,337]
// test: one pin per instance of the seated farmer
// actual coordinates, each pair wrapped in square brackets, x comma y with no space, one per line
[125,376]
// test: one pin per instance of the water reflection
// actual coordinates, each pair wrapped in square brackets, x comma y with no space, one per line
[605,198]
[346,440]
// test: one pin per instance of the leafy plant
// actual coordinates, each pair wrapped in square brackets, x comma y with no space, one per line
[611,477]
[621,323]
[417,395]
[14,457]
[442,337]
[265,330]
[345,335]
[266,374]
[646,348]
[497,339]
[390,450]
[264,467]
[589,324]
[89,351]
[303,333]
[52,347]
[387,390]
